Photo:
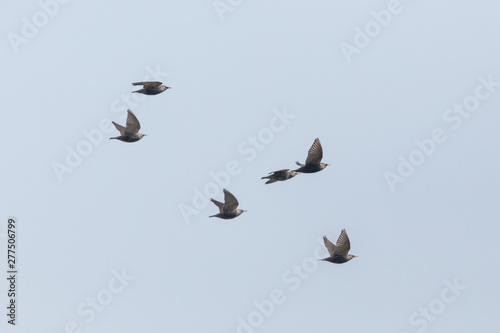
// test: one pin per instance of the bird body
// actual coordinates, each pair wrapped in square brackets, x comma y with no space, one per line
[228,209]
[280,175]
[129,133]
[337,259]
[339,253]
[227,215]
[311,168]
[313,162]
[128,138]
[150,87]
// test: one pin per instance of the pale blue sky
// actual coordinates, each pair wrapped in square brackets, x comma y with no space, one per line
[276,73]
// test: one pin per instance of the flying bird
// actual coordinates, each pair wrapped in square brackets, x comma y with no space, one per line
[228,209]
[150,88]
[129,133]
[280,175]
[339,252]
[313,161]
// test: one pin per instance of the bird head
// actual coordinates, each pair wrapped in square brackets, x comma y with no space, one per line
[324,165]
[163,88]
[141,135]
[241,211]
[351,256]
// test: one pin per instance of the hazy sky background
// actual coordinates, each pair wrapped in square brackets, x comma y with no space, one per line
[119,209]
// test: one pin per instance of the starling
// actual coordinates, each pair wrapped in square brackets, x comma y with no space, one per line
[129,133]
[280,175]
[313,161]
[338,252]
[150,88]
[228,208]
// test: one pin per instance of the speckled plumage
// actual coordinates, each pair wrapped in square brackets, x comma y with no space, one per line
[150,87]
[280,175]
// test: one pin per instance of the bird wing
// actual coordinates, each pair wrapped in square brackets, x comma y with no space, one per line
[120,128]
[315,153]
[230,202]
[279,171]
[133,125]
[329,246]
[218,204]
[147,84]
[343,245]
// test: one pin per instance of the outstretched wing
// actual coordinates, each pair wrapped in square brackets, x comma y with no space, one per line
[147,84]
[280,171]
[329,246]
[230,202]
[120,128]
[133,125]
[343,245]
[218,204]
[315,153]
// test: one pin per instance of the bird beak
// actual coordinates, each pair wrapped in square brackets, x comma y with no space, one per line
[328,164]
[354,256]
